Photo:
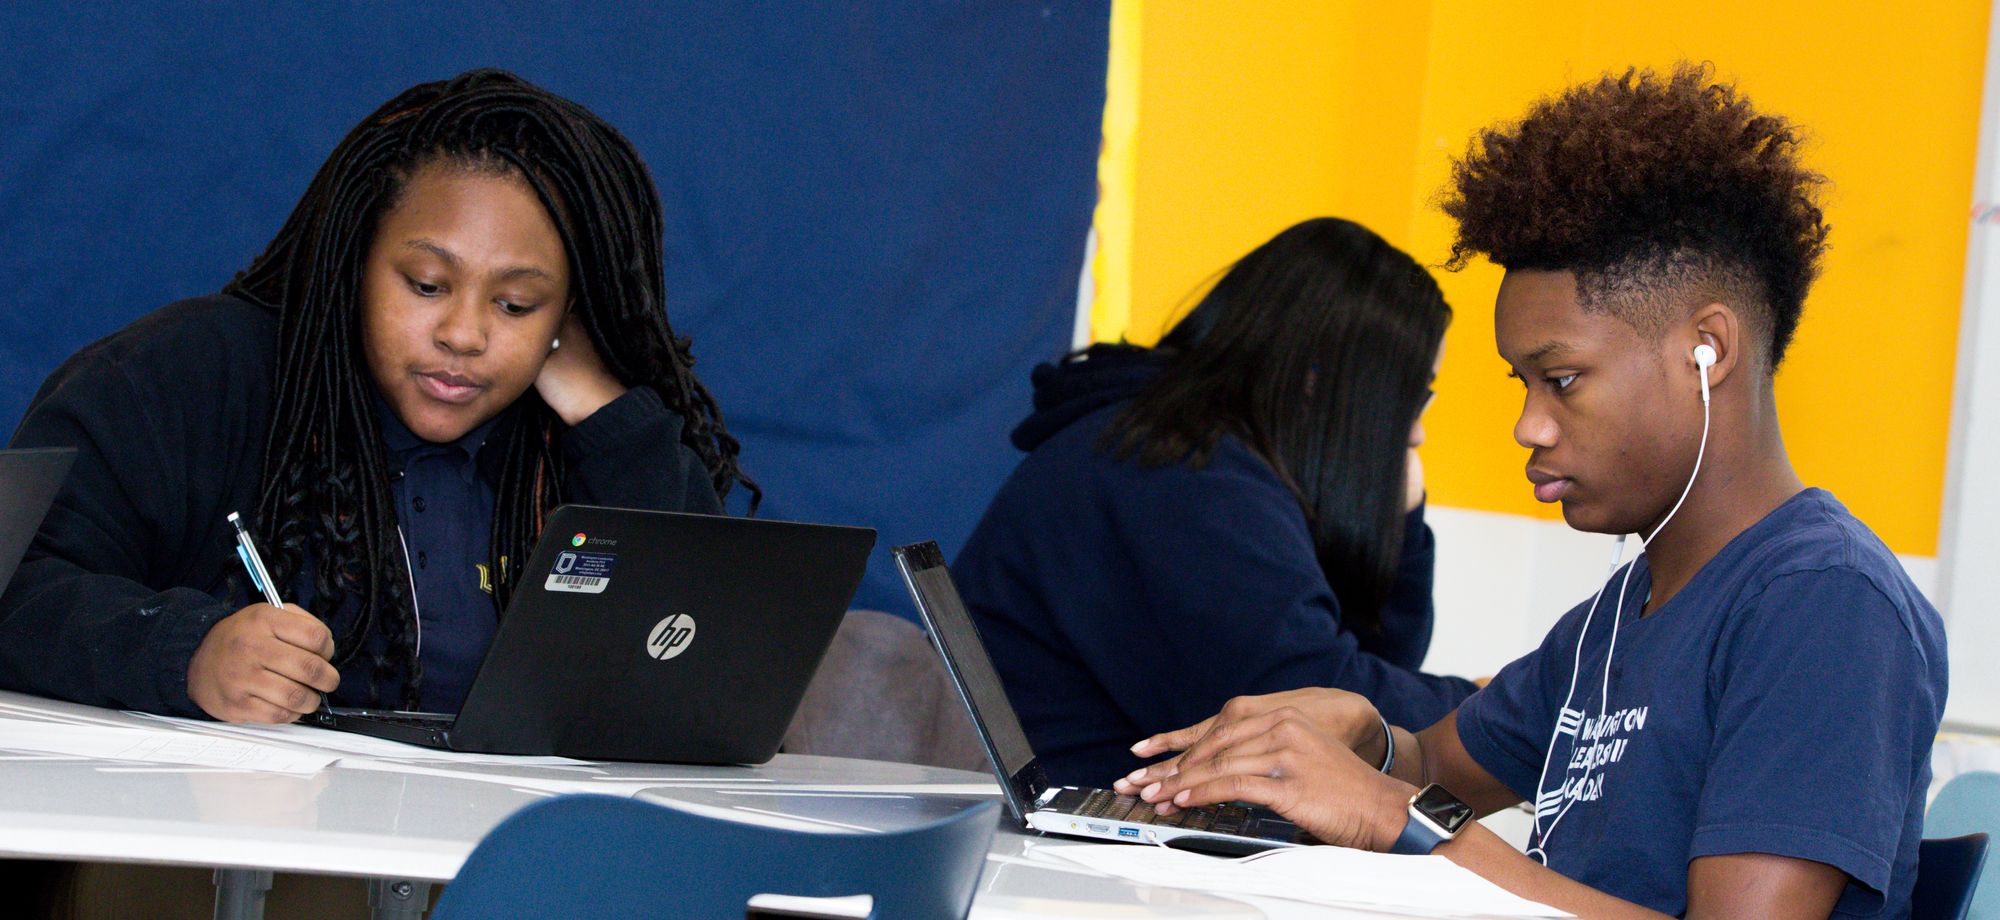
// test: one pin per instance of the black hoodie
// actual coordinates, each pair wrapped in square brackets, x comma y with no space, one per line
[1119,600]
[135,561]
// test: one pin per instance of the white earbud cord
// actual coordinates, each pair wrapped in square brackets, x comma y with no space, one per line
[1539,851]
[416,609]
[1542,801]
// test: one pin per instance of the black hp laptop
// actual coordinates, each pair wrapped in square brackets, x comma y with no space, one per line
[651,636]
[29,480]
[1095,813]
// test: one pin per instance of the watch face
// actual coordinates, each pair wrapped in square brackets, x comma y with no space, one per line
[1442,808]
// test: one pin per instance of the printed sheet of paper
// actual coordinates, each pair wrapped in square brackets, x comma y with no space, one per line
[140,745]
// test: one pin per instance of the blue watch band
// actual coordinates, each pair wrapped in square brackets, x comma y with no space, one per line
[1417,838]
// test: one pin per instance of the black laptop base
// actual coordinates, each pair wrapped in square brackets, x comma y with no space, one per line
[425,729]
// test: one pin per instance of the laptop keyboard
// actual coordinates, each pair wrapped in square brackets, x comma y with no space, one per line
[1110,806]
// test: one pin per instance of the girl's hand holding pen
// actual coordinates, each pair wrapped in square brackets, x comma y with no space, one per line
[263,664]
[267,662]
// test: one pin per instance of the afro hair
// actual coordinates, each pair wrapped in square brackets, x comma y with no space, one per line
[1651,190]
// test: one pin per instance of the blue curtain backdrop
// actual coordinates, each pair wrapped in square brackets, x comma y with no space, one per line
[875,210]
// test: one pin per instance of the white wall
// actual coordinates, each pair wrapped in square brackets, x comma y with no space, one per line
[1503,580]
[1969,544]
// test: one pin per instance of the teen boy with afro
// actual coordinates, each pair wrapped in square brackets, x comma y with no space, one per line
[1740,723]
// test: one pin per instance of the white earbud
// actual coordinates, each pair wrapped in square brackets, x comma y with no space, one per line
[1704,358]
[557,343]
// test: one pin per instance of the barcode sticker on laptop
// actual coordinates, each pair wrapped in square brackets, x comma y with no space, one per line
[581,573]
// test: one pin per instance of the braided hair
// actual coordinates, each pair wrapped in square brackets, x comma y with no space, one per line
[324,496]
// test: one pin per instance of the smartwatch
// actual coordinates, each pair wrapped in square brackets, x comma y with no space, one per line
[1435,817]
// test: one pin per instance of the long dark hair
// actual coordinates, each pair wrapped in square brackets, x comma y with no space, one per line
[1316,351]
[325,492]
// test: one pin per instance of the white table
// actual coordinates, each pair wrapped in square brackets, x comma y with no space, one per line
[417,823]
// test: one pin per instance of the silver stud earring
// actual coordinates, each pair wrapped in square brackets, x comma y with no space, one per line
[555,344]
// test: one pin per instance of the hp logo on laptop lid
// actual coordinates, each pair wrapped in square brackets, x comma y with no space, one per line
[671,636]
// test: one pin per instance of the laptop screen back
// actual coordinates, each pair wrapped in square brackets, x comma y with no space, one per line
[965,656]
[29,480]
[661,636]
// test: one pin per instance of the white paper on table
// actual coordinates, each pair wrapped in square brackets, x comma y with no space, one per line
[10,710]
[324,739]
[104,742]
[1337,876]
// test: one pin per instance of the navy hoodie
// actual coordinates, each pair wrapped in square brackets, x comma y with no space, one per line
[1119,600]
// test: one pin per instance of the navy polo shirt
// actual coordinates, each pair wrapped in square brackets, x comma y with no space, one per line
[445,510]
[627,454]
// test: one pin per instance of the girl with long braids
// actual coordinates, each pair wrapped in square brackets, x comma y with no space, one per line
[461,325]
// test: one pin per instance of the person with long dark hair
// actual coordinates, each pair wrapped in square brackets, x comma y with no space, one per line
[462,324]
[1235,510]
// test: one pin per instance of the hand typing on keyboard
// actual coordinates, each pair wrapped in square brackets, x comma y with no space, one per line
[1348,717]
[1293,752]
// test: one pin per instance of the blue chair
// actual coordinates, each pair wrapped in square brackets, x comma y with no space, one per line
[1947,875]
[592,856]
[1968,804]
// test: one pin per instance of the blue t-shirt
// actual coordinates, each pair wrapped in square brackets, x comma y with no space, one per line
[1783,702]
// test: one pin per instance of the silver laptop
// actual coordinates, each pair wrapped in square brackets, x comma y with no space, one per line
[1099,814]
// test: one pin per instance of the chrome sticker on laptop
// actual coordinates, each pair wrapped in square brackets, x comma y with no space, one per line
[581,573]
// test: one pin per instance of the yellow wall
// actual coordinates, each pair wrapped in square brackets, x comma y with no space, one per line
[1251,116]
